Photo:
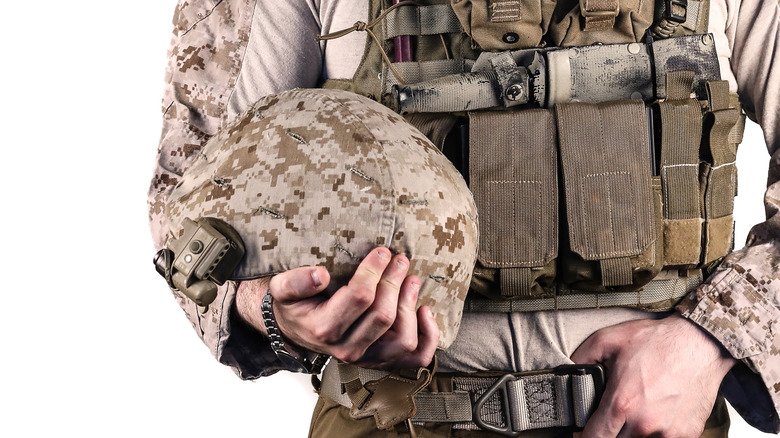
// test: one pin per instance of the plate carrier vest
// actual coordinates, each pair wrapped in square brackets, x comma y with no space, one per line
[596,136]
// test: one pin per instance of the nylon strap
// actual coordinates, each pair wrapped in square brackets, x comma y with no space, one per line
[604,151]
[599,14]
[422,20]
[536,399]
[680,139]
[667,291]
[721,181]
[351,384]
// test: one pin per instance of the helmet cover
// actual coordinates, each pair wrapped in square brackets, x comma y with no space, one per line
[321,177]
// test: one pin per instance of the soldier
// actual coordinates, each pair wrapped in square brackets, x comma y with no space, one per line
[664,367]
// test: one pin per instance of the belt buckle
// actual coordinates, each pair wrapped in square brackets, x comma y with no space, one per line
[595,370]
[676,18]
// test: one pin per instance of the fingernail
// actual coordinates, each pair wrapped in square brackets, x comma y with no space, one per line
[315,277]
[381,255]
[430,313]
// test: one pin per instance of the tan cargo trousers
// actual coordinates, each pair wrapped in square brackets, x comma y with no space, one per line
[330,419]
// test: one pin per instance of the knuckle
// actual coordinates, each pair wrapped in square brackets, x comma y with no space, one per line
[325,334]
[622,406]
[408,345]
[384,317]
[362,296]
[347,355]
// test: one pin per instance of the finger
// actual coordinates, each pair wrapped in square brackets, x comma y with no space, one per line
[381,316]
[608,419]
[353,299]
[299,283]
[384,353]
[405,326]
[587,352]
[429,336]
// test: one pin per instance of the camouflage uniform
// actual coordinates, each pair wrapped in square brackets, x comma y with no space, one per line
[737,304]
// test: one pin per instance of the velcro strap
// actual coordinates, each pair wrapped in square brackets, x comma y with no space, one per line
[599,14]
[421,20]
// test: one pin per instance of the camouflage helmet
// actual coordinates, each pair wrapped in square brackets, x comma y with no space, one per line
[321,177]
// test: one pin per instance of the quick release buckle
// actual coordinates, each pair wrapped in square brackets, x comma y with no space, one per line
[501,385]
[676,5]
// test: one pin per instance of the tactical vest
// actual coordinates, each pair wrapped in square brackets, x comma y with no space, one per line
[596,136]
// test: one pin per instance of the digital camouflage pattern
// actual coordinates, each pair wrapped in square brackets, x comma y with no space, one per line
[738,305]
[200,75]
[321,177]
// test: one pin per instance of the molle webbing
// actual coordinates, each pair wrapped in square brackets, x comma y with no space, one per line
[680,137]
[661,294]
[599,14]
[416,20]
[724,126]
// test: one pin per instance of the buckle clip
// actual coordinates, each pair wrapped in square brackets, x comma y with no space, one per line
[670,13]
[595,370]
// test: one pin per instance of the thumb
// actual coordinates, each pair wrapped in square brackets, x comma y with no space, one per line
[299,283]
[590,351]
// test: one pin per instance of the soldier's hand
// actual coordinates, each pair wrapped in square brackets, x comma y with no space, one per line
[662,378]
[371,322]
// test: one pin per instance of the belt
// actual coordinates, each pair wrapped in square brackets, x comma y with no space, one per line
[507,404]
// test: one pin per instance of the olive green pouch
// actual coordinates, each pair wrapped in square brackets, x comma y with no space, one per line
[497,25]
[680,135]
[514,179]
[612,214]
[723,128]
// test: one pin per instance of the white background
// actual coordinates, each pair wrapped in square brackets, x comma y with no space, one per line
[93,343]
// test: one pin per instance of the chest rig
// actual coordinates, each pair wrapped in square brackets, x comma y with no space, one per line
[596,136]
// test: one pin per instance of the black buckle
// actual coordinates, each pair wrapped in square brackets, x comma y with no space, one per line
[599,383]
[671,16]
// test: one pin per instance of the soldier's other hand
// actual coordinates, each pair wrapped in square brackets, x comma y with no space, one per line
[662,378]
[371,322]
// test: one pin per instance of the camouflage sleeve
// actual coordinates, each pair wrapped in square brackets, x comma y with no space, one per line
[204,60]
[740,303]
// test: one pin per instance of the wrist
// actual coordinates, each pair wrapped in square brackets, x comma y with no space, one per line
[249,298]
[707,345]
[295,358]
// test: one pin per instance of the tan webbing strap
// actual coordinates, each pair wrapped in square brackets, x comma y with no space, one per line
[448,407]
[721,181]
[606,173]
[389,398]
[351,384]
[658,295]
[422,20]
[616,272]
[599,14]
[680,139]
[513,175]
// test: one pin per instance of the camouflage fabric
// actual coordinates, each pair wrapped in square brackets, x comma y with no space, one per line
[738,305]
[201,73]
[321,177]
